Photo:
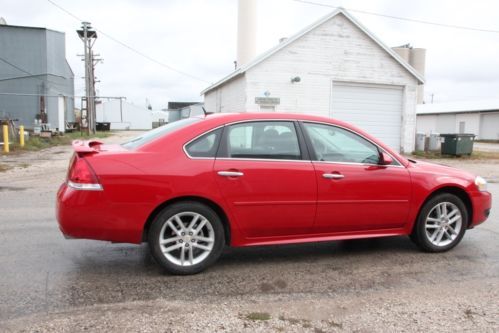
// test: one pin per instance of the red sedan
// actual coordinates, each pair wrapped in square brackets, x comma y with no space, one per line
[191,187]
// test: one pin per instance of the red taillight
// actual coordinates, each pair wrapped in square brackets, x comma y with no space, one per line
[81,176]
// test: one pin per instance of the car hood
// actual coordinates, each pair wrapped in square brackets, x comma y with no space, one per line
[440,169]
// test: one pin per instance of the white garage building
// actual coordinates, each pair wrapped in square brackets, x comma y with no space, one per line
[334,68]
[476,117]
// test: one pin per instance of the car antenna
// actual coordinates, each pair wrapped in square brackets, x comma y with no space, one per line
[206,112]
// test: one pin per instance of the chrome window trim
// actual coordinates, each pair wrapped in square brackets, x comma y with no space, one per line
[362,136]
[364,164]
[400,165]
[261,159]
[234,123]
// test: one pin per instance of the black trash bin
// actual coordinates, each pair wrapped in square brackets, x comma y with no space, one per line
[103,127]
[457,144]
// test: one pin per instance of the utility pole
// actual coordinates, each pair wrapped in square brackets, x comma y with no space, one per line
[88,36]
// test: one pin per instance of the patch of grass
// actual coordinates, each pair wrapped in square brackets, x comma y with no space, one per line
[476,155]
[306,324]
[34,143]
[487,141]
[258,316]
[332,323]
[23,165]
[4,167]
[85,136]
[294,321]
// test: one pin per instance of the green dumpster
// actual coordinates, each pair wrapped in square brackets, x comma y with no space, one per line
[457,144]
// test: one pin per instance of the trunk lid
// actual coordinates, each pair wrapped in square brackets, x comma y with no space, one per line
[85,147]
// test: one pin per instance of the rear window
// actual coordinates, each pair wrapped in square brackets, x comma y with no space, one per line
[159,132]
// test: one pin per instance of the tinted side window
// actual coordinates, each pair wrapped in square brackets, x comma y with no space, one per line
[206,145]
[263,140]
[335,144]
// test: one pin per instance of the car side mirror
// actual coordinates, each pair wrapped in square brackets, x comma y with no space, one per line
[385,159]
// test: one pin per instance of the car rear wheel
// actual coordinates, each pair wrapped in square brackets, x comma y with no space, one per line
[441,223]
[186,238]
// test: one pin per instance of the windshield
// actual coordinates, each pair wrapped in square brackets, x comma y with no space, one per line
[158,132]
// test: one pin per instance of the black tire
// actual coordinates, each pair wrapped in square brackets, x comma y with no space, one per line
[160,225]
[422,238]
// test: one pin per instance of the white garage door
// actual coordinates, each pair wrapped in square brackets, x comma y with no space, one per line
[490,126]
[377,109]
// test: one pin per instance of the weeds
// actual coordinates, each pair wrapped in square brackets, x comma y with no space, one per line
[258,316]
[34,143]
[4,167]
[476,155]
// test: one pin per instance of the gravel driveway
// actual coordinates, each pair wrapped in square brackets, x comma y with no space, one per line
[50,284]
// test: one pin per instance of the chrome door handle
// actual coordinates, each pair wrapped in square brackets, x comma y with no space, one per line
[333,175]
[230,173]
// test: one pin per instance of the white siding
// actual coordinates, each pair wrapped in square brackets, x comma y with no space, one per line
[471,122]
[229,97]
[427,124]
[335,51]
[130,117]
[489,126]
[484,125]
[446,123]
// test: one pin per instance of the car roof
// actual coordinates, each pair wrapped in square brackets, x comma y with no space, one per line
[236,116]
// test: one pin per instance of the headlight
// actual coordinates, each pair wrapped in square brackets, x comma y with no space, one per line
[481,183]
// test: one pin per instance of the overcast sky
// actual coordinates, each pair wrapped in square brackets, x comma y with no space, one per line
[199,37]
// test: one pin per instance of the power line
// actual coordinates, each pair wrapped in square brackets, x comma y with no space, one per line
[399,17]
[15,66]
[35,76]
[49,95]
[142,54]
[31,75]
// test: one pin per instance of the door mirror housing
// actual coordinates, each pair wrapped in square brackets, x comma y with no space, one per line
[385,159]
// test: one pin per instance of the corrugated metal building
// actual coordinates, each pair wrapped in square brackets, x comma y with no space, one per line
[479,117]
[335,68]
[33,63]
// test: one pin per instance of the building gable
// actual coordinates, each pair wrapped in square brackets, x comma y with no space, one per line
[319,25]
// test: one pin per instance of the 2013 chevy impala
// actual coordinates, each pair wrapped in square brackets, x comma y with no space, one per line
[191,187]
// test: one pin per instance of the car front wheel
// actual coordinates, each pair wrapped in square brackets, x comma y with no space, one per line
[186,238]
[441,223]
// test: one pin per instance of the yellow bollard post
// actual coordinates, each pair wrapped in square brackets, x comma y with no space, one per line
[5,138]
[21,135]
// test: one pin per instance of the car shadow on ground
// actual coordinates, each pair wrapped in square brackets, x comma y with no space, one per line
[123,257]
[316,251]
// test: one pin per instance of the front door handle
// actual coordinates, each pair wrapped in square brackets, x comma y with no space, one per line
[333,175]
[230,173]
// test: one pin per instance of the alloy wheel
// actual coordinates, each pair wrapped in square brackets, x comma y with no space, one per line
[443,224]
[186,238]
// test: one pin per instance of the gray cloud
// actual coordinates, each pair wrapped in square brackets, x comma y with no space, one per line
[199,37]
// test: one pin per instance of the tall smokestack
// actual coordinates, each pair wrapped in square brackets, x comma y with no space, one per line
[418,61]
[246,31]
[416,57]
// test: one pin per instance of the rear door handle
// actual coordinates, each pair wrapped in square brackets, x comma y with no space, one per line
[333,175]
[230,173]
